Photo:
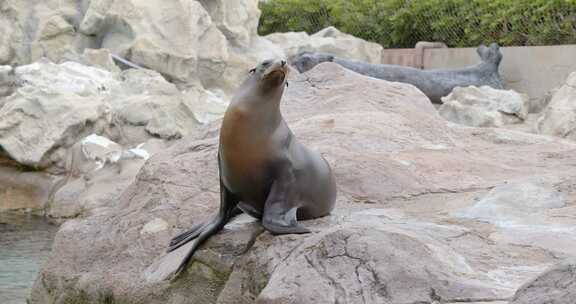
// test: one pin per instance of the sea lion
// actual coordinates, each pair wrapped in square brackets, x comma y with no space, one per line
[264,171]
[433,83]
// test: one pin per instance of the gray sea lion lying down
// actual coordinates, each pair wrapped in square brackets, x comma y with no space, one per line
[433,83]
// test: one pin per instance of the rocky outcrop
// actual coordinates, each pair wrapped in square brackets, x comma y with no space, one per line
[58,104]
[54,106]
[559,117]
[329,40]
[212,43]
[7,81]
[484,107]
[23,190]
[433,83]
[555,286]
[405,178]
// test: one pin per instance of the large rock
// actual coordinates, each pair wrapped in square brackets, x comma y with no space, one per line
[97,171]
[237,20]
[329,40]
[484,106]
[23,190]
[7,81]
[559,117]
[50,108]
[188,42]
[555,286]
[402,172]
[58,104]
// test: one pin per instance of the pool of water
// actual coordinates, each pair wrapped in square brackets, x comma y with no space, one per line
[25,242]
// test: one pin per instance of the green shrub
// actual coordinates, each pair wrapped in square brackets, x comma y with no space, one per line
[402,23]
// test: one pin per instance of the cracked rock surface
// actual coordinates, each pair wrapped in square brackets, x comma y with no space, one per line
[425,214]
[555,286]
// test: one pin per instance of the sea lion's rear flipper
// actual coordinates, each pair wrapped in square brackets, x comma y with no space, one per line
[195,231]
[279,209]
[228,209]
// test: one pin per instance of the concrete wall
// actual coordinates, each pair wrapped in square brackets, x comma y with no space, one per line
[533,70]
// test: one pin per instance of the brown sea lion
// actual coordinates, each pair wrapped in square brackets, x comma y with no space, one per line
[264,171]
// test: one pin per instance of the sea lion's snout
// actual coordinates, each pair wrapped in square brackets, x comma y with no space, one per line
[276,72]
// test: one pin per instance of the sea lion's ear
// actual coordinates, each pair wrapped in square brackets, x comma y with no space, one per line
[252,71]
[286,83]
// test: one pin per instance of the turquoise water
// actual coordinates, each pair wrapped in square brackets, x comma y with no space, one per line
[25,242]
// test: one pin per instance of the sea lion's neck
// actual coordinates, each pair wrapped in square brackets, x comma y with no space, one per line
[259,107]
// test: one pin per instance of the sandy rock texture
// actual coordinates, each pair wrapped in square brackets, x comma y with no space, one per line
[555,286]
[484,106]
[428,212]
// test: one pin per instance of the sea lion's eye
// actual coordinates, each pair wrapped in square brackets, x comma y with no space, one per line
[252,71]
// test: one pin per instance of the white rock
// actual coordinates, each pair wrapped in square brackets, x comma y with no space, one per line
[559,117]
[32,122]
[58,104]
[101,150]
[69,77]
[154,226]
[329,40]
[484,106]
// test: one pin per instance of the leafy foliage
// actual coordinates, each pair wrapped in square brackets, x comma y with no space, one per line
[402,23]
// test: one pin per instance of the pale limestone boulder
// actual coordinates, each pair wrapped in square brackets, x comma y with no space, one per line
[402,172]
[33,29]
[55,39]
[148,100]
[237,20]
[559,117]
[100,58]
[7,81]
[191,43]
[8,34]
[54,106]
[484,106]
[69,77]
[34,121]
[329,40]
[58,104]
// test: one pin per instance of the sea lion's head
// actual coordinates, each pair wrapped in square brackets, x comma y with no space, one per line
[305,61]
[490,54]
[270,74]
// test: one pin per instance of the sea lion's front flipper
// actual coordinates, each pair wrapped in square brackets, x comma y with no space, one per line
[279,209]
